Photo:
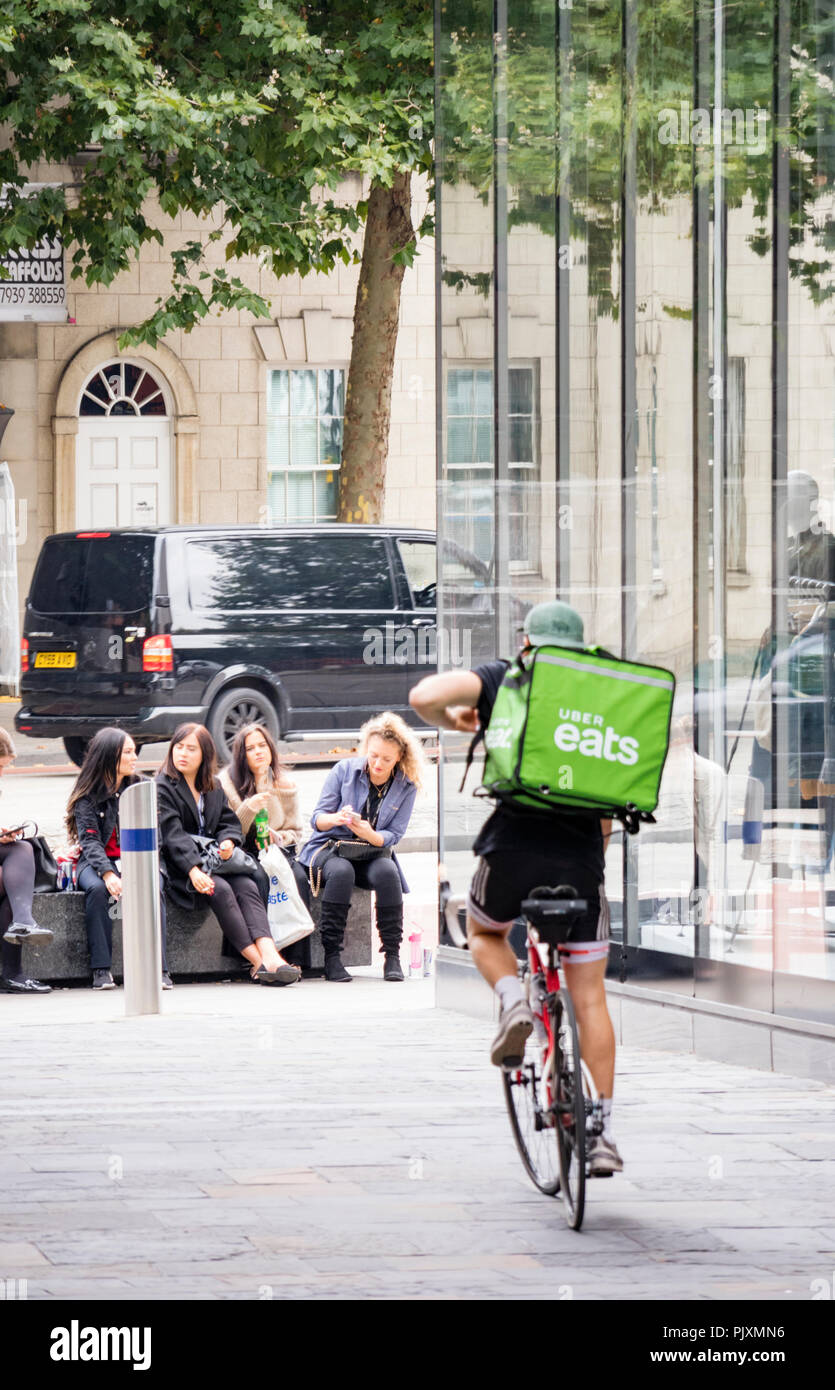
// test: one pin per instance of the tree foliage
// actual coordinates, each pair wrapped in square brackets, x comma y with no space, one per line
[570,110]
[258,108]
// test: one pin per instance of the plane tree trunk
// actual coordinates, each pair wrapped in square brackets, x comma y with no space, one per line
[388,229]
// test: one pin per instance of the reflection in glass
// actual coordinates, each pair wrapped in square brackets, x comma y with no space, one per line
[637,319]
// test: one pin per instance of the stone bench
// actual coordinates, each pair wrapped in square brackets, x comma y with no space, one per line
[194,941]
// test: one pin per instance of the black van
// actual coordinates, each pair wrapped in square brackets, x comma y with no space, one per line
[308,630]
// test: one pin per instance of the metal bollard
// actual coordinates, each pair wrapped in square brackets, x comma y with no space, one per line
[141,947]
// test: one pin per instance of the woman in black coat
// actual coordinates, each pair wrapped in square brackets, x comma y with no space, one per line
[109,767]
[191,802]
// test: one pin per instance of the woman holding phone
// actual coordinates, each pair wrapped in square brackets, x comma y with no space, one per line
[367,802]
[192,802]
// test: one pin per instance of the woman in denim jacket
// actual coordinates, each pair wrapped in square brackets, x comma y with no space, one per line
[365,799]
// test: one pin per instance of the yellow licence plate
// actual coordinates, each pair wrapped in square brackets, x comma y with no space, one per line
[65,659]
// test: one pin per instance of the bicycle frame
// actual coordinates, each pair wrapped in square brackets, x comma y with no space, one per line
[549,968]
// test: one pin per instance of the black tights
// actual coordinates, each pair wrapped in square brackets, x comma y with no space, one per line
[17,881]
[239,908]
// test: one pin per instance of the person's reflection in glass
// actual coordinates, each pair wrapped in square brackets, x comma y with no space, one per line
[800,676]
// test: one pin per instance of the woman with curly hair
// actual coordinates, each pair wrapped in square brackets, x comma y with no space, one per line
[362,813]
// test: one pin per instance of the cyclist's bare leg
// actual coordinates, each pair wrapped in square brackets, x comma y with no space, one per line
[492,956]
[585,983]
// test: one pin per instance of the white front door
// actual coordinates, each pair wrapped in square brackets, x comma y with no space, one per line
[123,471]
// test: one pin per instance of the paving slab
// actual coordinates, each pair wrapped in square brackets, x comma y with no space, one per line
[325,1144]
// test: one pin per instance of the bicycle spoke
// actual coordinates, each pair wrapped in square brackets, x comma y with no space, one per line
[532,1127]
[571,1111]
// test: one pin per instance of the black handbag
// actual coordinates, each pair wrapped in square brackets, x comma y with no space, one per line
[357,851]
[239,862]
[46,869]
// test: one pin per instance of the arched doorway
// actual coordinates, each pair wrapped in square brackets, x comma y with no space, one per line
[124,473]
[90,410]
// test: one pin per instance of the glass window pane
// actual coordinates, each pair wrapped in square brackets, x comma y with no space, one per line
[300,496]
[278,393]
[521,441]
[303,445]
[303,393]
[484,391]
[330,442]
[98,390]
[520,381]
[277,498]
[460,392]
[327,495]
[460,440]
[484,441]
[278,443]
[420,563]
[331,391]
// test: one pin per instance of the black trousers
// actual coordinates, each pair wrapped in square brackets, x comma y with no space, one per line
[339,876]
[240,909]
[99,914]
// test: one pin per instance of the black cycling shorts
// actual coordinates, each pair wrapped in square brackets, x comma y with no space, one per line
[504,878]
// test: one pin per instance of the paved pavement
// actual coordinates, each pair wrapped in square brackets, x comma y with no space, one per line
[313,1143]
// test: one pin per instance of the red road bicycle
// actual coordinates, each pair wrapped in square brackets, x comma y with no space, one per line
[551,1098]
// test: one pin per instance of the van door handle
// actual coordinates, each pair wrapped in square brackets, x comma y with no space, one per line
[423,622]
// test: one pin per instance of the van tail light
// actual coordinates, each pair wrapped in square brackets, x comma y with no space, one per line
[157,654]
[24,655]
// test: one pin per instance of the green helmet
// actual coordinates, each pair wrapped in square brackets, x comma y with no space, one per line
[556,623]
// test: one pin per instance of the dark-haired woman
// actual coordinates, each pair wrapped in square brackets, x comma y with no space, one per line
[254,781]
[191,802]
[109,767]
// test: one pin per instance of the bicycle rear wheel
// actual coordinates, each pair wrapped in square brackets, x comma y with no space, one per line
[532,1128]
[571,1110]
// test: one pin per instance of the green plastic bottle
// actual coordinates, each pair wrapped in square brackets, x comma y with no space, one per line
[262,829]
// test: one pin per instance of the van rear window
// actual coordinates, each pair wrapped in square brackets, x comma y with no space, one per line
[111,574]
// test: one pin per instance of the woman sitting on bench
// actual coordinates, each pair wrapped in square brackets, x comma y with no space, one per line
[191,802]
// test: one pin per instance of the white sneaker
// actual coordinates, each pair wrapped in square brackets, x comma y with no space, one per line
[515,1027]
[603,1157]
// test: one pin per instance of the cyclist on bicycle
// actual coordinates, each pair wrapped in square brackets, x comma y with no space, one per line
[519,849]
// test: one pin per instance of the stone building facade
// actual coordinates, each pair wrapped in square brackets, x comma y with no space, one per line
[189,431]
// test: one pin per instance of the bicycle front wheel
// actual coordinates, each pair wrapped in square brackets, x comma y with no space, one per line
[532,1125]
[570,1110]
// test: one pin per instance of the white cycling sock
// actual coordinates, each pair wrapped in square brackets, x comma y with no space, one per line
[509,990]
[606,1106]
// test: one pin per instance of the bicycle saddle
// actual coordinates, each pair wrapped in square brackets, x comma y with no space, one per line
[553,911]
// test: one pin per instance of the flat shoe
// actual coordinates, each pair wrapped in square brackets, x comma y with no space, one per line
[284,975]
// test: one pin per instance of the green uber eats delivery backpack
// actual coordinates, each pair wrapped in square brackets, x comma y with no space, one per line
[579,727]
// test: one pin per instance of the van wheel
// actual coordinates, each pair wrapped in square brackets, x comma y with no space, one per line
[235,709]
[76,748]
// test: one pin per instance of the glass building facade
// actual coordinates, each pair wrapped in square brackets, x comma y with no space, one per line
[636,371]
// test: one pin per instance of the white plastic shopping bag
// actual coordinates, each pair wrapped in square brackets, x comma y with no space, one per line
[288,917]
